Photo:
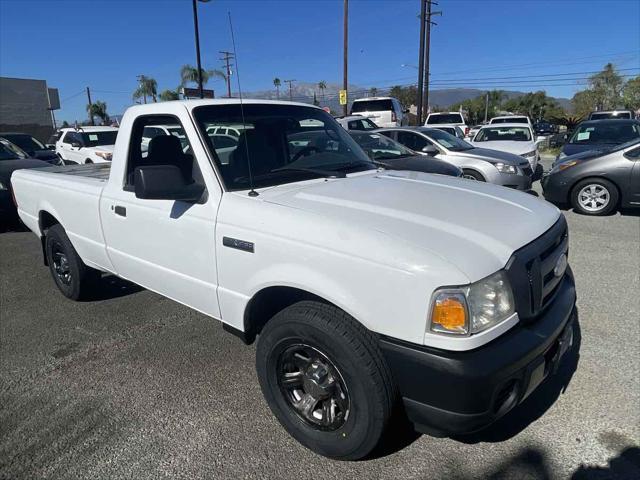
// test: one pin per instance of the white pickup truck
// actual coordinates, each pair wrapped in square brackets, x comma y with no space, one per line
[367,289]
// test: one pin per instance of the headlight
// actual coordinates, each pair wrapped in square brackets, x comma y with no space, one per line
[529,154]
[504,168]
[105,155]
[2,187]
[563,166]
[474,308]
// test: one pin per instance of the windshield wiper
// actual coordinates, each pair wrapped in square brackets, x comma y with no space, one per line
[317,171]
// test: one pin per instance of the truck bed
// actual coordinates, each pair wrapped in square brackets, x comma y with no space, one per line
[99,171]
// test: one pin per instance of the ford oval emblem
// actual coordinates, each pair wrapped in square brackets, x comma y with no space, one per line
[561,265]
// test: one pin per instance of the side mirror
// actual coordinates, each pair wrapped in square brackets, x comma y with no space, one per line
[76,144]
[430,150]
[165,182]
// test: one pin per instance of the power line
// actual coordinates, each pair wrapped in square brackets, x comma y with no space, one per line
[227,57]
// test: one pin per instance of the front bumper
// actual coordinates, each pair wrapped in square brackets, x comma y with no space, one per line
[517,182]
[449,393]
[555,188]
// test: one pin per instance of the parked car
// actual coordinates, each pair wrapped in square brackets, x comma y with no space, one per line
[512,119]
[369,290]
[597,182]
[32,147]
[12,158]
[392,155]
[545,128]
[383,111]
[452,130]
[480,164]
[447,119]
[516,138]
[599,134]
[152,131]
[86,144]
[356,122]
[612,114]
[473,130]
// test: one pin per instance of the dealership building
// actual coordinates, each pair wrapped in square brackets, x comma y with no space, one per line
[27,105]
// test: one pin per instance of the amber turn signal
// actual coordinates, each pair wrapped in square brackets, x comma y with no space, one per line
[449,314]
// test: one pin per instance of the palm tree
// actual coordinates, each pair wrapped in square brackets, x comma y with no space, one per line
[189,74]
[167,95]
[98,109]
[277,83]
[322,85]
[147,87]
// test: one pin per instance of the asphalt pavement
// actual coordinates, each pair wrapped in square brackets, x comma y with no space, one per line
[133,385]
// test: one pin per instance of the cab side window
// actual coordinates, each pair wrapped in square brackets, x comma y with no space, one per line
[633,154]
[152,144]
[413,140]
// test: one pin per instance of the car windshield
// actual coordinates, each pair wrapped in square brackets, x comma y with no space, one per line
[8,151]
[372,106]
[502,134]
[279,144]
[611,133]
[510,120]
[379,147]
[607,115]
[443,118]
[25,142]
[448,141]
[361,124]
[95,139]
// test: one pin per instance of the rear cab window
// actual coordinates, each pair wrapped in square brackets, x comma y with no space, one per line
[372,106]
[444,118]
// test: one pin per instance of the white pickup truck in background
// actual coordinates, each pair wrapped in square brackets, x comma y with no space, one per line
[366,288]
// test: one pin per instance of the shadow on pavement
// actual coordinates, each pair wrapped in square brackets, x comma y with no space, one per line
[111,287]
[625,466]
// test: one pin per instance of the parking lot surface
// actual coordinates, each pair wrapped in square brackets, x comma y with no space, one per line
[133,385]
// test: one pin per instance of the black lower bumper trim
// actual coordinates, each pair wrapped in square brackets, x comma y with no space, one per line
[448,393]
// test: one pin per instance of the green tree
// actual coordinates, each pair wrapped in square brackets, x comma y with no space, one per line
[536,105]
[167,95]
[277,83]
[189,74]
[315,99]
[373,92]
[584,102]
[98,109]
[147,87]
[65,124]
[322,85]
[631,94]
[607,88]
[407,96]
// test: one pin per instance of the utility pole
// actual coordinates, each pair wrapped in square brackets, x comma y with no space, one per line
[290,92]
[345,82]
[425,99]
[486,107]
[199,66]
[90,103]
[423,7]
[227,56]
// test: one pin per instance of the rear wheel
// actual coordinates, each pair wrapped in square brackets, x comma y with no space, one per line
[472,175]
[595,196]
[88,160]
[73,278]
[324,378]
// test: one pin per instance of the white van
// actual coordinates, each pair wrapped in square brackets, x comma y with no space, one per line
[384,111]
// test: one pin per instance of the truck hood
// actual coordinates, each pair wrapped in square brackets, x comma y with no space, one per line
[491,156]
[517,148]
[472,225]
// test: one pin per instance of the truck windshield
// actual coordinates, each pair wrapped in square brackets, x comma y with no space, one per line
[278,144]
[94,139]
[447,140]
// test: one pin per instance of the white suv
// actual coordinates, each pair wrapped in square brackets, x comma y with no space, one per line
[383,111]
[447,119]
[86,144]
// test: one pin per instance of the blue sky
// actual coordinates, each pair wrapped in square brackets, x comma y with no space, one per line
[105,44]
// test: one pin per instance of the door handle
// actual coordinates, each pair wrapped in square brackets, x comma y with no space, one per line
[119,210]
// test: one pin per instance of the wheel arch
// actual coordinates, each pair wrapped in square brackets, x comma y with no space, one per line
[46,220]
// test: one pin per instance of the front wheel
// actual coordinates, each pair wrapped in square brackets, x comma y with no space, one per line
[472,175]
[325,380]
[73,278]
[595,196]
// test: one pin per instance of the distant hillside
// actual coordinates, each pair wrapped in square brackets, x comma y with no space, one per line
[303,92]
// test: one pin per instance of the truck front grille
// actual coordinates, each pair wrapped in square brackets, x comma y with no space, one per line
[531,271]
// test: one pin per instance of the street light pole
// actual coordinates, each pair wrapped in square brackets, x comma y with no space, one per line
[345,83]
[423,7]
[199,63]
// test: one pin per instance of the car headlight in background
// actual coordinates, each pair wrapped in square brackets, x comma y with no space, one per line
[474,308]
[529,154]
[504,168]
[563,166]
[105,155]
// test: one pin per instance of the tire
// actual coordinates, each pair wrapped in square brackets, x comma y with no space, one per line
[594,196]
[72,277]
[88,160]
[347,360]
[472,175]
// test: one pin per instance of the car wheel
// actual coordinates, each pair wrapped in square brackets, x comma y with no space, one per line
[325,380]
[595,196]
[472,175]
[74,279]
[88,160]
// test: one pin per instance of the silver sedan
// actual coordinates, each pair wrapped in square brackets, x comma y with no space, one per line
[480,164]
